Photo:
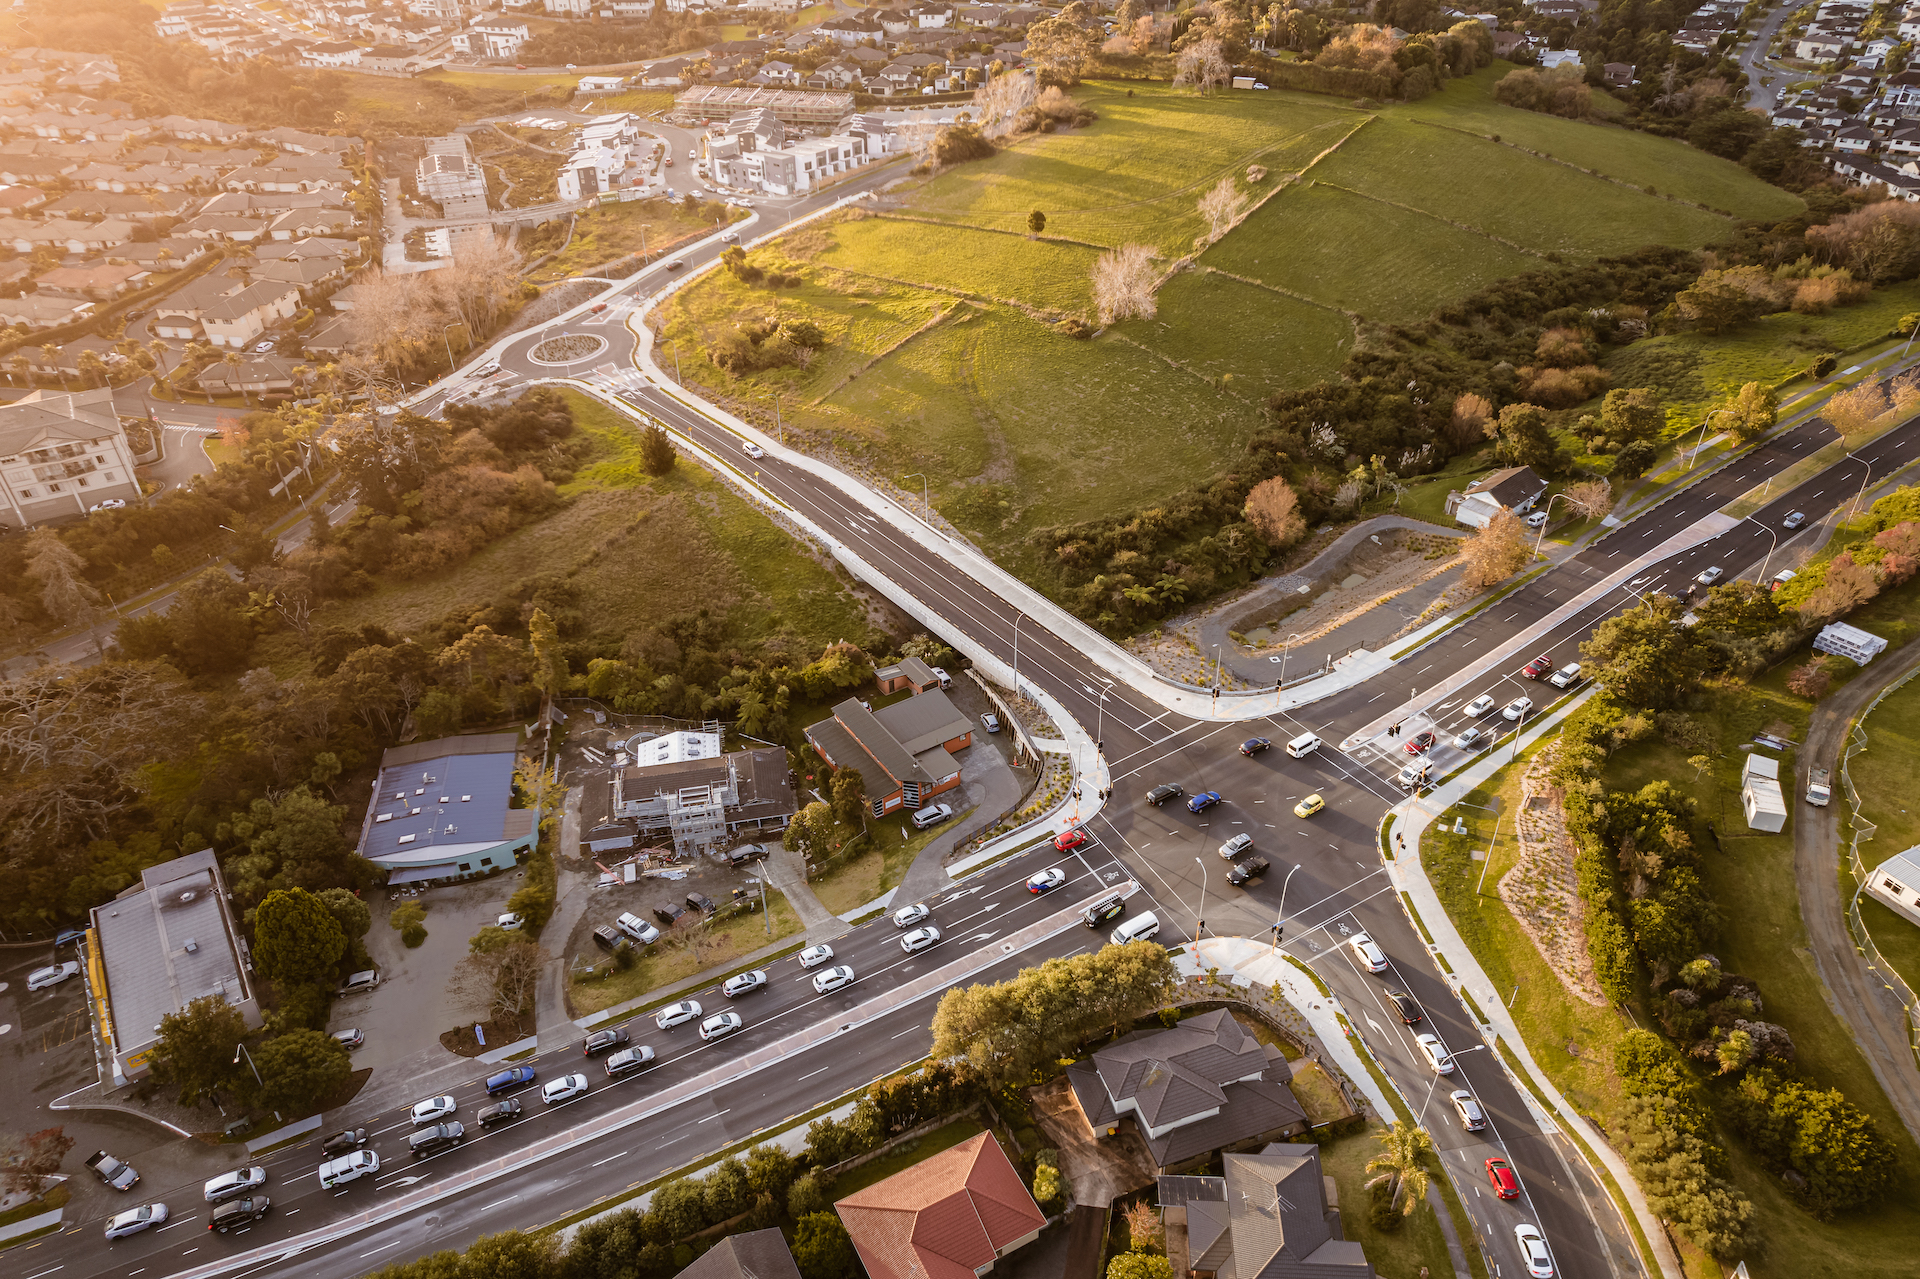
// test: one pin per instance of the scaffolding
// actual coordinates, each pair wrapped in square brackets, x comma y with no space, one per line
[697,816]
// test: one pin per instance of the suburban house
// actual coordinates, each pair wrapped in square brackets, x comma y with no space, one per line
[908,674]
[226,311]
[1204,1085]
[157,947]
[1513,490]
[492,39]
[1267,1218]
[62,453]
[757,1254]
[38,311]
[443,810]
[683,783]
[98,282]
[952,1214]
[1896,883]
[903,752]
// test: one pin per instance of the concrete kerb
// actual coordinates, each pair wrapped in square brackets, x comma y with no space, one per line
[935,982]
[1701,531]
[1411,818]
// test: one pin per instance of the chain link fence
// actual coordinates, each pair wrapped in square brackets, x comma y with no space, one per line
[1864,830]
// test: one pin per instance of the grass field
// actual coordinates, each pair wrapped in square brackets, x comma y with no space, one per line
[615,230]
[1416,1247]
[891,847]
[686,952]
[1021,428]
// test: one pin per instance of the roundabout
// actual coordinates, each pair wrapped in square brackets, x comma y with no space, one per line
[568,348]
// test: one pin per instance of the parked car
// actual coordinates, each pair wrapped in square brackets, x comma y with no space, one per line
[1203,801]
[740,856]
[1368,952]
[1420,742]
[1537,521]
[510,922]
[110,1170]
[350,1039]
[1047,880]
[677,1014]
[1533,1249]
[700,902]
[1237,845]
[498,1113]
[1516,709]
[237,1182]
[814,956]
[1480,705]
[940,673]
[1472,1118]
[1435,1052]
[669,914]
[932,815]
[434,1140]
[835,978]
[433,1110]
[1254,745]
[509,1079]
[1781,578]
[720,1025]
[608,938]
[744,984]
[110,504]
[628,1061]
[920,938]
[360,983]
[236,1213]
[990,722]
[1068,840]
[1406,1005]
[1538,666]
[908,916]
[637,928]
[1794,521]
[134,1220]
[564,1089]
[1247,871]
[346,1141]
[1500,1176]
[52,974]
[601,1041]
[1164,792]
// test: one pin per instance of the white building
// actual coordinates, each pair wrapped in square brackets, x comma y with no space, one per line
[1896,883]
[336,53]
[61,454]
[1760,797]
[492,39]
[1849,641]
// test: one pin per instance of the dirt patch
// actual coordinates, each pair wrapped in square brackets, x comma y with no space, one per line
[1098,1170]
[500,1032]
[1540,889]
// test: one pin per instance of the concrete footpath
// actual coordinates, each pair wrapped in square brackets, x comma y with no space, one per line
[1463,972]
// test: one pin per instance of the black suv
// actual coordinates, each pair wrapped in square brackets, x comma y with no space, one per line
[1161,794]
[607,937]
[344,1143]
[602,1040]
[746,853]
[700,902]
[1100,912]
[498,1113]
[431,1141]
[669,914]
[238,1212]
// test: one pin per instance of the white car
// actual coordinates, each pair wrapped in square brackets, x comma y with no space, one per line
[931,815]
[1480,705]
[1469,740]
[814,956]
[677,1014]
[1237,845]
[990,722]
[1047,880]
[510,922]
[229,1184]
[908,916]
[753,450]
[720,1025]
[565,1088]
[111,504]
[1566,677]
[920,939]
[350,1039]
[743,983]
[1435,1052]
[488,369]
[836,978]
[1368,952]
[433,1110]
[1537,521]
[1533,1247]
[52,975]
[134,1220]
[1708,576]
[1515,709]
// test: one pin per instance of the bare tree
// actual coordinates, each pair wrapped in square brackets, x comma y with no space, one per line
[1468,425]
[1274,509]
[1202,66]
[1497,551]
[63,591]
[476,288]
[501,982]
[1221,207]
[1123,284]
[1592,498]
[997,102]
[1857,410]
[390,315]
[27,1162]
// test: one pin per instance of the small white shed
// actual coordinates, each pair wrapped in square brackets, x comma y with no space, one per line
[1849,641]
[1896,882]
[1760,797]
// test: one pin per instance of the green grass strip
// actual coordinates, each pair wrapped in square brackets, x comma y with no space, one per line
[1406,899]
[1311,976]
[1605,1174]
[1472,1007]
[745,966]
[41,1233]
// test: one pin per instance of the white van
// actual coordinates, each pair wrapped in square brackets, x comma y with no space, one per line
[1303,746]
[339,1172]
[1139,928]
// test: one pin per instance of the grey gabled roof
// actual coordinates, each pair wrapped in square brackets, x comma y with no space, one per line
[758,1254]
[923,721]
[1278,1218]
[1169,1074]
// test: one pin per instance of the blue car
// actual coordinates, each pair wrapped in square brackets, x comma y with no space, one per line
[509,1079]
[1204,800]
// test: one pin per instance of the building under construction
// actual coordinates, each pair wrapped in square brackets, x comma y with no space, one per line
[792,107]
[682,785]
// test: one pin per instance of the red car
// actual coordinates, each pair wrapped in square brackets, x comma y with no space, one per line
[1067,840]
[1420,743]
[1505,1184]
[1538,666]
[599,306]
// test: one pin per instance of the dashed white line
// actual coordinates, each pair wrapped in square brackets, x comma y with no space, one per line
[715,1115]
[382,1248]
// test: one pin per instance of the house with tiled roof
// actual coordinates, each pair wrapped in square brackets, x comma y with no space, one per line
[1266,1218]
[950,1216]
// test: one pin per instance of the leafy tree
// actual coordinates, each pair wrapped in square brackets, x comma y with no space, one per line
[1673,1170]
[727,1190]
[849,797]
[1627,415]
[1400,1166]
[1036,222]
[1497,550]
[295,937]
[300,1069]
[1839,1158]
[353,915]
[1525,441]
[64,591]
[1741,608]
[771,1171]
[821,1247]
[1643,657]
[1749,413]
[1139,1265]
[680,1207]
[197,1047]
[656,450]
[294,842]
[811,831]
[1730,133]
[1061,46]
[549,661]
[26,1162]
[512,1254]
[810,1193]
[1631,462]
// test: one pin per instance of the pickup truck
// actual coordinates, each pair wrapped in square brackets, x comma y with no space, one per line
[116,1174]
[1250,869]
[1819,787]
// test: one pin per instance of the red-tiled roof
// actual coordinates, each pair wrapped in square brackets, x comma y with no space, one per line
[943,1218]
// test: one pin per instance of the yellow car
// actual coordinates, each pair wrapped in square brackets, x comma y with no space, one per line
[1309,806]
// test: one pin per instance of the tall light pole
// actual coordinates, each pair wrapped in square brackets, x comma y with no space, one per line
[926,501]
[1286,651]
[1100,732]
[1771,546]
[1200,919]
[445,329]
[1855,508]
[1436,1082]
[1700,443]
[1280,920]
[238,1051]
[1543,525]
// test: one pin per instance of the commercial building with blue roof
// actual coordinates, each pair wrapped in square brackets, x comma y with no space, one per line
[443,810]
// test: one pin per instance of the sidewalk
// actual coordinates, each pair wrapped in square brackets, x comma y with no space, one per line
[573,891]
[1463,971]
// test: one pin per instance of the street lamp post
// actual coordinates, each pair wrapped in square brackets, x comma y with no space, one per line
[1286,651]
[444,331]
[1772,545]
[1700,443]
[1280,920]
[1100,731]
[926,499]
[1543,525]
[1200,920]
[1868,467]
[1421,1121]
[1018,618]
[238,1051]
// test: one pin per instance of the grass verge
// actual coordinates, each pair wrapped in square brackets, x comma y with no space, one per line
[714,945]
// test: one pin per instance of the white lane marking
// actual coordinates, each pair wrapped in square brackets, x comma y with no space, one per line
[382,1248]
